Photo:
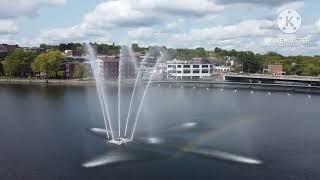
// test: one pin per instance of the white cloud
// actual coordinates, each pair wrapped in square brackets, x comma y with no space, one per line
[173,23]
[185,7]
[242,29]
[7,27]
[141,33]
[128,13]
[16,8]
[132,14]
[317,26]
[291,6]
[116,13]
[258,2]
[12,9]
[245,35]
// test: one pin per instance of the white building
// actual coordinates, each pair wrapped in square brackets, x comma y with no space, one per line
[100,67]
[222,69]
[184,70]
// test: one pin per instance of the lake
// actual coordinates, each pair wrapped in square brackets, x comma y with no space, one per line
[44,134]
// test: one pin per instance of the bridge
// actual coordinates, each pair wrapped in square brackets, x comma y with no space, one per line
[280,79]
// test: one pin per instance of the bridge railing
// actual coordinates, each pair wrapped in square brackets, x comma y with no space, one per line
[282,77]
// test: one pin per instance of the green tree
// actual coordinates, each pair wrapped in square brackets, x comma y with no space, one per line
[311,70]
[1,69]
[80,71]
[48,63]
[199,52]
[250,62]
[61,74]
[135,47]
[18,63]
[49,47]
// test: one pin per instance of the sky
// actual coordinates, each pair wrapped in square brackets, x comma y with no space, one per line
[228,24]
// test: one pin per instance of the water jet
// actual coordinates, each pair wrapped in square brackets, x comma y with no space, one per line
[127,61]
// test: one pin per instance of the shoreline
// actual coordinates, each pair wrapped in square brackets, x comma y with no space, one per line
[46,81]
[202,83]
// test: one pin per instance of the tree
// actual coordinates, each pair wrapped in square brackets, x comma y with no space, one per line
[18,63]
[1,69]
[250,62]
[135,47]
[199,52]
[217,50]
[80,71]
[311,70]
[48,63]
[62,47]
[49,47]
[61,74]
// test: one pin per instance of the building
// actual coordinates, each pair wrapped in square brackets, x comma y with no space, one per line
[34,50]
[72,53]
[213,60]
[128,66]
[274,70]
[200,61]
[149,61]
[6,48]
[184,70]
[108,67]
[222,69]
[156,71]
[69,69]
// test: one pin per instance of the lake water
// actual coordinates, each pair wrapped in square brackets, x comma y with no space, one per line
[44,134]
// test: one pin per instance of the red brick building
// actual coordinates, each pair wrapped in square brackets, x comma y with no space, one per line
[274,70]
[110,66]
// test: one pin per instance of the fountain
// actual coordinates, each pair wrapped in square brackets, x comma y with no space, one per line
[126,131]
[100,89]
[127,58]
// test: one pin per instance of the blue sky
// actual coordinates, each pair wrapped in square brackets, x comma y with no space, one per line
[229,24]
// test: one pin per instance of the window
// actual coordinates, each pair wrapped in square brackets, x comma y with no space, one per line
[205,71]
[195,66]
[179,66]
[205,66]
[196,71]
[186,71]
[186,66]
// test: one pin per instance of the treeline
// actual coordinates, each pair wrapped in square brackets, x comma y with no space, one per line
[100,48]
[249,62]
[255,63]
[20,63]
[44,65]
